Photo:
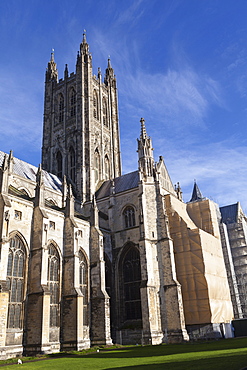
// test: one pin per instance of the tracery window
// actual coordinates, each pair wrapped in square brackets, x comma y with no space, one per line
[105,116]
[72,103]
[60,108]
[132,281]
[95,105]
[15,282]
[83,284]
[129,217]
[96,165]
[107,168]
[71,163]
[59,160]
[53,284]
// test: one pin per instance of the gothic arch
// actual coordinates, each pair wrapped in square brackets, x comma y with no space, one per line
[129,294]
[25,191]
[17,233]
[51,201]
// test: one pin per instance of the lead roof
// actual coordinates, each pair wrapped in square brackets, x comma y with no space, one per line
[28,171]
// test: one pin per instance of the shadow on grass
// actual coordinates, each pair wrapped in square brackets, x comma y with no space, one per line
[171,349]
[231,362]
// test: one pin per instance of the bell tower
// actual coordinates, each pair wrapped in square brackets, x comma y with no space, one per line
[81,128]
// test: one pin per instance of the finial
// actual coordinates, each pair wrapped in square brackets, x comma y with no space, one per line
[52,55]
[109,62]
[84,36]
[143,129]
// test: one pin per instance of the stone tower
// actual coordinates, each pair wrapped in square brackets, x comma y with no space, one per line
[81,132]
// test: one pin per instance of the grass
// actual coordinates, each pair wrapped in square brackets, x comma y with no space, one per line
[216,355]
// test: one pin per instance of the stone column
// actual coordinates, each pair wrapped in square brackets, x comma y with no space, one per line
[72,337]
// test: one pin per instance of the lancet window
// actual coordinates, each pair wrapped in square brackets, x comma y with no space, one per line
[72,102]
[15,282]
[71,163]
[95,105]
[59,160]
[53,284]
[83,283]
[105,115]
[60,108]
[96,165]
[107,168]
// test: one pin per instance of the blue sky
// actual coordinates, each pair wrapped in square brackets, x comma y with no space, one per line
[180,64]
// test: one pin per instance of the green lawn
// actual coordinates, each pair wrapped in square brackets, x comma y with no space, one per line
[219,355]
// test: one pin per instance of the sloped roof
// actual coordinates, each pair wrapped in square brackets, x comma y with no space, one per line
[28,171]
[229,213]
[122,183]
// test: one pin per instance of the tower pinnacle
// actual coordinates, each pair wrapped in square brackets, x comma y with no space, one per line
[145,152]
[84,47]
[51,71]
[143,129]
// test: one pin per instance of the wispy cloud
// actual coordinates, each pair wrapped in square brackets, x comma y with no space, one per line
[221,168]
[132,13]
[20,115]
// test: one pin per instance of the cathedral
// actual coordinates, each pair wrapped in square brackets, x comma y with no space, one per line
[89,256]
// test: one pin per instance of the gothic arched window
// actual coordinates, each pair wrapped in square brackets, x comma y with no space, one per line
[105,116]
[15,282]
[83,284]
[107,168]
[95,105]
[129,217]
[53,284]
[59,164]
[131,270]
[60,108]
[72,102]
[71,164]
[96,165]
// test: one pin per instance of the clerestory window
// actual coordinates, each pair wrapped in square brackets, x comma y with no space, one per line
[129,217]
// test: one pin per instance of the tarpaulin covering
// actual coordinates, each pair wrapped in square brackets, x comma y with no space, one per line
[199,262]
